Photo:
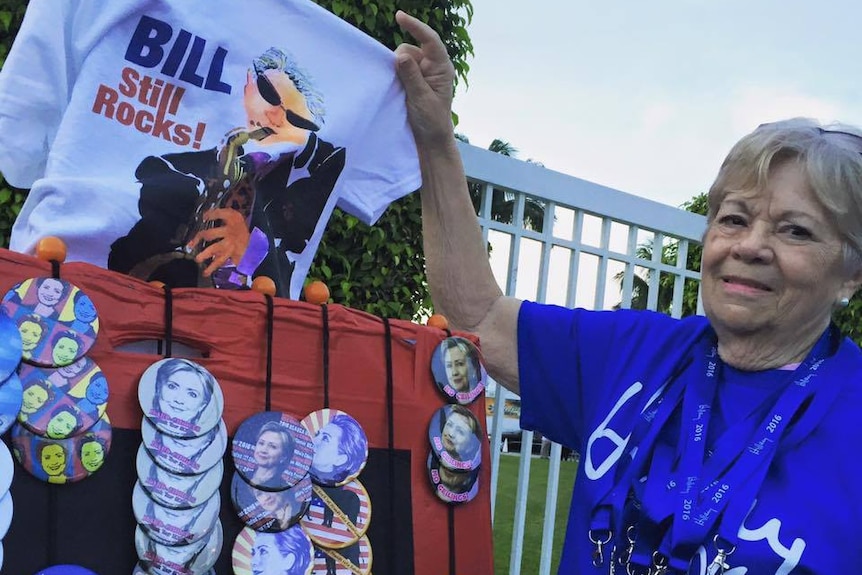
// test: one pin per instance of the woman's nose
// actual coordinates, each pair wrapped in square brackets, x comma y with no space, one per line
[754,245]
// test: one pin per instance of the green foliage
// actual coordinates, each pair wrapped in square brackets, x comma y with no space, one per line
[378,269]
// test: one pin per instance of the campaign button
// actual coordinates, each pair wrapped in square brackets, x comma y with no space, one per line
[174,490]
[180,397]
[272,450]
[270,510]
[65,570]
[457,369]
[338,516]
[194,559]
[340,446]
[456,437]
[10,346]
[174,526]
[452,486]
[287,552]
[191,456]
[7,468]
[355,559]
[5,513]
[56,321]
[11,397]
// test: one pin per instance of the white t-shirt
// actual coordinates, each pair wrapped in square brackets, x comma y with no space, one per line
[116,115]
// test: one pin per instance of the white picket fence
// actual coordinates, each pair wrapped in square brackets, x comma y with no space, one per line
[559,239]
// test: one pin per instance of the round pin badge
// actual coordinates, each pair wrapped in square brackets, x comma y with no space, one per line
[174,526]
[455,435]
[355,559]
[270,510]
[180,397]
[272,450]
[7,469]
[194,559]
[66,570]
[457,370]
[287,552]
[452,486]
[185,456]
[10,346]
[340,446]
[5,513]
[62,402]
[338,516]
[62,460]
[139,570]
[174,490]
[56,321]
[11,397]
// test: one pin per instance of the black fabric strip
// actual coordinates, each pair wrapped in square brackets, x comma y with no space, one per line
[169,320]
[448,332]
[390,418]
[55,269]
[325,311]
[53,521]
[451,509]
[270,312]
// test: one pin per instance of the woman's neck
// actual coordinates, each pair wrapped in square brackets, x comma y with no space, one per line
[757,353]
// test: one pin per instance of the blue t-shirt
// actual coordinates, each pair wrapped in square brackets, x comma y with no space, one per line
[586,376]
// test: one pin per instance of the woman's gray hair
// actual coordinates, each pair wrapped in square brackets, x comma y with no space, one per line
[831,160]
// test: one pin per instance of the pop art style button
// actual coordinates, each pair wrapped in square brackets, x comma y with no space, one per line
[10,346]
[338,516]
[270,511]
[180,397]
[452,486]
[287,552]
[56,321]
[272,450]
[173,490]
[5,513]
[457,370]
[340,446]
[355,559]
[174,526]
[62,460]
[7,469]
[63,402]
[194,559]
[11,398]
[185,456]
[66,570]
[455,435]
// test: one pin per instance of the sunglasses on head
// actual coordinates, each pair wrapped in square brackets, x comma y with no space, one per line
[824,131]
[270,95]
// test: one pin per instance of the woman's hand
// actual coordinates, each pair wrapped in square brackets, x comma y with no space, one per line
[228,241]
[428,75]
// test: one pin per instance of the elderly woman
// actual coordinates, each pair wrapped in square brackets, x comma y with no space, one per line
[709,444]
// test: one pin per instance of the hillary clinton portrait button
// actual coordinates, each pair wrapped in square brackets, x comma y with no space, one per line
[180,397]
[456,437]
[10,346]
[355,559]
[340,446]
[270,510]
[56,321]
[194,559]
[174,490]
[174,526]
[457,370]
[338,516]
[11,397]
[191,456]
[272,450]
[452,486]
[287,552]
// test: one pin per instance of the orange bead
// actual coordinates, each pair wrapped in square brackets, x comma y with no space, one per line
[438,320]
[157,284]
[316,292]
[264,285]
[51,248]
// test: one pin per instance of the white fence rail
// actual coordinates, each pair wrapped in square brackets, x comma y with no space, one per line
[558,239]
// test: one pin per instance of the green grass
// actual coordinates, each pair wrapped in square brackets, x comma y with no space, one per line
[535,517]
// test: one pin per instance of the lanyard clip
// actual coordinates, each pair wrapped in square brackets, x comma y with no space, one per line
[719,564]
[599,552]
[659,564]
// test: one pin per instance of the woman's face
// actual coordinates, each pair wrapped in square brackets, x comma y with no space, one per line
[31,333]
[74,368]
[269,449]
[773,262]
[456,368]
[61,425]
[266,559]
[50,292]
[92,455]
[34,397]
[327,453]
[65,351]
[97,391]
[456,434]
[270,500]
[84,309]
[53,460]
[182,395]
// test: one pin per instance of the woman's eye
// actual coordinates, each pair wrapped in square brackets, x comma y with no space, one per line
[732,220]
[797,232]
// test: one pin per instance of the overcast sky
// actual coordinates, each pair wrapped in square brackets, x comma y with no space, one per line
[647,97]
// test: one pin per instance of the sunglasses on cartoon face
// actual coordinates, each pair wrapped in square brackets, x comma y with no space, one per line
[270,95]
